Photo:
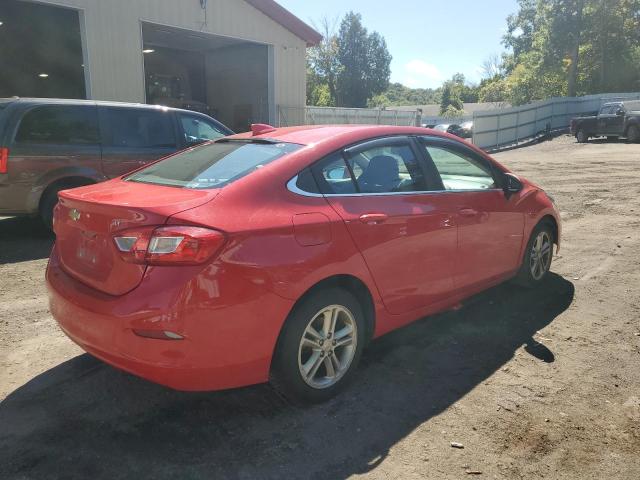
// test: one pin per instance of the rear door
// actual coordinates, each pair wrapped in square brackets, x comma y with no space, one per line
[603,119]
[132,137]
[490,228]
[615,122]
[407,235]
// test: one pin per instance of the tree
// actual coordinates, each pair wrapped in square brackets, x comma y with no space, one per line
[347,68]
[455,92]
[572,47]
[397,94]
[365,63]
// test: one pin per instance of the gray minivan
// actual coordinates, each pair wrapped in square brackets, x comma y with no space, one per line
[48,145]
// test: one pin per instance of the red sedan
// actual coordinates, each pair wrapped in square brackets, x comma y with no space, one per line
[279,254]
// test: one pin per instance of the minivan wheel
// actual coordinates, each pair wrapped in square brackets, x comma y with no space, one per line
[582,136]
[319,347]
[633,134]
[538,255]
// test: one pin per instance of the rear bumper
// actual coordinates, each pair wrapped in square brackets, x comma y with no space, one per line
[225,345]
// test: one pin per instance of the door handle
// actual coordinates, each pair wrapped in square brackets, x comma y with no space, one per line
[468,212]
[373,218]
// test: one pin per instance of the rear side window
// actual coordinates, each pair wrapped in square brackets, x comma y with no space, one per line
[59,125]
[213,165]
[386,169]
[139,128]
[198,130]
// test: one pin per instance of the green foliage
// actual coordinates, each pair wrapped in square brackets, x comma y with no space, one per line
[454,93]
[570,47]
[451,112]
[397,95]
[365,61]
[348,68]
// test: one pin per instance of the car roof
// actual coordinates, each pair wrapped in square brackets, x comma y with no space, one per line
[341,135]
[104,103]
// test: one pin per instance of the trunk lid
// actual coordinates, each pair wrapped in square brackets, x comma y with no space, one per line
[88,217]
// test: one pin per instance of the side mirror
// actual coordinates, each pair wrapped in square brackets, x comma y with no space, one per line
[511,184]
[620,112]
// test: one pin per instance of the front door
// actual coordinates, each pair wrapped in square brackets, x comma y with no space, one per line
[490,228]
[406,235]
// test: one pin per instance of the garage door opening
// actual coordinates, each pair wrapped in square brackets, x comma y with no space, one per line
[40,51]
[227,78]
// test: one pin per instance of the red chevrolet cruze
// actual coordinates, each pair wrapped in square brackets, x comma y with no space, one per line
[279,254]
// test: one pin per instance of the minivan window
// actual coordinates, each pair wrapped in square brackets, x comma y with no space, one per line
[139,128]
[212,165]
[59,124]
[196,129]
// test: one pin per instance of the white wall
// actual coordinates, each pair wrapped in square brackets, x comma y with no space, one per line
[114,41]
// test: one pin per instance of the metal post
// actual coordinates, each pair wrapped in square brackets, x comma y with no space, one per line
[498,131]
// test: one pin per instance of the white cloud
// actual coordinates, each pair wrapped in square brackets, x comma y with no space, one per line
[420,74]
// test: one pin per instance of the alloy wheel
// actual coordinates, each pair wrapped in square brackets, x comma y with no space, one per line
[327,346]
[540,255]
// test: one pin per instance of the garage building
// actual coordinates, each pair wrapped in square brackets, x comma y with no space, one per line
[237,60]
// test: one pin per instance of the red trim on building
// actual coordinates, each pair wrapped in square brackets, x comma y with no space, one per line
[288,20]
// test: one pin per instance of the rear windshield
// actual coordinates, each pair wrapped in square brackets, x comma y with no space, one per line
[212,165]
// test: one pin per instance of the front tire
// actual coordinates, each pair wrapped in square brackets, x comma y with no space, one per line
[581,136]
[633,134]
[537,257]
[320,346]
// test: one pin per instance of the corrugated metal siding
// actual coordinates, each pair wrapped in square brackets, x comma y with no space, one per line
[114,41]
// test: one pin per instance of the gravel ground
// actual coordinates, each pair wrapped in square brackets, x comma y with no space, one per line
[533,384]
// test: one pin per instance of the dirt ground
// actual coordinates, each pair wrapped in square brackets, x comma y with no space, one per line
[533,384]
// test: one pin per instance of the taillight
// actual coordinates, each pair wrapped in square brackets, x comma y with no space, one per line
[4,159]
[171,245]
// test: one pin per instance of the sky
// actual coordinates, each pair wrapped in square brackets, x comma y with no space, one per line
[429,40]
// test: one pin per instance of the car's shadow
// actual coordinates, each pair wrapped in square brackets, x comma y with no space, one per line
[23,238]
[84,419]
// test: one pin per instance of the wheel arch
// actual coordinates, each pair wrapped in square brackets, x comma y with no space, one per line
[554,224]
[71,181]
[353,285]
[632,123]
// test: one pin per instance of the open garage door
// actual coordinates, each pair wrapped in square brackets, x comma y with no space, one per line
[40,51]
[227,78]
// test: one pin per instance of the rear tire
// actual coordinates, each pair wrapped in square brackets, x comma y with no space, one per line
[319,347]
[633,134]
[581,136]
[47,204]
[49,199]
[537,256]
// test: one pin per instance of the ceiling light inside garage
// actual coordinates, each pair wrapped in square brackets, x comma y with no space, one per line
[43,75]
[148,50]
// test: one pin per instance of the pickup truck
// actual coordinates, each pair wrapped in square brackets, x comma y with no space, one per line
[614,120]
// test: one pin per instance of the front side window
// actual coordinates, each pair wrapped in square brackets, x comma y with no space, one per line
[459,171]
[60,125]
[139,128]
[197,130]
[213,165]
[387,169]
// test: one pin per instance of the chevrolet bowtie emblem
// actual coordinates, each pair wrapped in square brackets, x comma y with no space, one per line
[74,214]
